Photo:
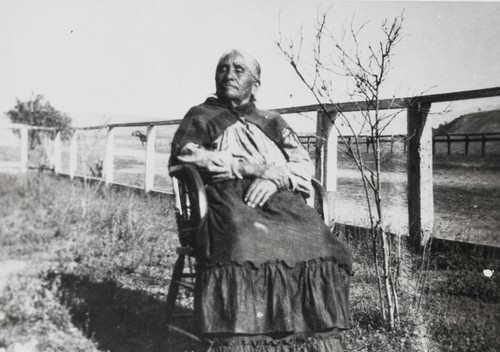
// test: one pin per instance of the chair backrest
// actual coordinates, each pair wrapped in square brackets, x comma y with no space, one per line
[191,203]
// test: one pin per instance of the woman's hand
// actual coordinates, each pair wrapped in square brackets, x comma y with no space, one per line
[259,192]
[269,179]
[276,174]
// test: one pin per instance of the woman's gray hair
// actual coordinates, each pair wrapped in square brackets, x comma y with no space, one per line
[254,65]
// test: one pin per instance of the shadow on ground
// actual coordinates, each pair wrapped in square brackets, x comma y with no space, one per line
[116,318]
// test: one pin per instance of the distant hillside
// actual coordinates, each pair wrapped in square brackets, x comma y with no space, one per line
[477,122]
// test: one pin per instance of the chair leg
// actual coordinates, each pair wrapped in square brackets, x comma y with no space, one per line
[173,289]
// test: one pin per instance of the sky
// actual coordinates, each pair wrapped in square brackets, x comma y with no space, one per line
[137,60]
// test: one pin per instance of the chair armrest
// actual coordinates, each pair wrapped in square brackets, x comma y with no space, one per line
[190,202]
[188,175]
[321,201]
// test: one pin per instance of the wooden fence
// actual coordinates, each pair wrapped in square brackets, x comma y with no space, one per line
[466,138]
[419,156]
[309,140]
[23,131]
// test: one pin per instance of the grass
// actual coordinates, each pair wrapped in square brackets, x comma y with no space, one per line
[447,303]
[461,304]
[97,263]
[87,247]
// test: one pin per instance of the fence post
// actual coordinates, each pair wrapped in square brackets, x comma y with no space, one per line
[109,156]
[57,153]
[150,158]
[420,184]
[24,148]
[448,142]
[466,144]
[326,156]
[73,154]
[483,144]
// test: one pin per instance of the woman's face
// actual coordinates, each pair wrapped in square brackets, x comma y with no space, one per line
[235,80]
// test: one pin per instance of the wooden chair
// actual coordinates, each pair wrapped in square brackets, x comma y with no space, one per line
[191,209]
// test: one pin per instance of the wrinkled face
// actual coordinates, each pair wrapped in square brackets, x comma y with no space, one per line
[235,80]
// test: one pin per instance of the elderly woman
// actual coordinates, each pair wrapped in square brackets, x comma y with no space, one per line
[276,279]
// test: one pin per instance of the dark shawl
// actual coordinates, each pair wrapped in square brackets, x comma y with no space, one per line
[204,123]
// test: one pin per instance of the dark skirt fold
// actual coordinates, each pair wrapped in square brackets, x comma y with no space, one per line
[243,299]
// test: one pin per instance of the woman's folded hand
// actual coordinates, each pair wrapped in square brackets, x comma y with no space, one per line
[268,180]
[274,173]
[277,174]
[259,192]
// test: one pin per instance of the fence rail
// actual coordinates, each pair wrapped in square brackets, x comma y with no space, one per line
[419,139]
[310,139]
[467,138]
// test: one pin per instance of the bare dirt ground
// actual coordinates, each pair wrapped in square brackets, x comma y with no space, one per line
[466,195]
[466,203]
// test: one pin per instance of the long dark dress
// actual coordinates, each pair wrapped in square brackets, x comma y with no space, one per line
[276,278]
